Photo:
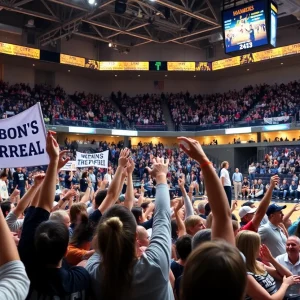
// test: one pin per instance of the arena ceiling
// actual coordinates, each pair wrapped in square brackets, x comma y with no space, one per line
[193,23]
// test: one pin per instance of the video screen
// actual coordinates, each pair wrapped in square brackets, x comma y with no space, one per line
[245,27]
[273,25]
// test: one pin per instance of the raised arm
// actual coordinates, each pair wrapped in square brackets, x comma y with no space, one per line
[159,249]
[48,187]
[129,195]
[189,211]
[112,192]
[286,217]
[14,283]
[265,202]
[180,223]
[29,196]
[222,223]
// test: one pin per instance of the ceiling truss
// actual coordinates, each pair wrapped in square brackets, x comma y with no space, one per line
[145,21]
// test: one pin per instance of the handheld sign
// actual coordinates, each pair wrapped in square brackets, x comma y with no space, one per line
[23,139]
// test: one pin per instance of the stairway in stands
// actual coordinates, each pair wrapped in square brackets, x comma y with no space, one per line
[167,114]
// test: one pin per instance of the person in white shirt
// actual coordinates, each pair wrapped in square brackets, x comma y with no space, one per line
[291,261]
[251,171]
[108,176]
[225,179]
[3,187]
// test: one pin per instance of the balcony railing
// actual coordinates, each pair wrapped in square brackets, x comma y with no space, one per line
[253,123]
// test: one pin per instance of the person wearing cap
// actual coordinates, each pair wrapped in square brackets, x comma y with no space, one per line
[252,217]
[271,234]
[251,204]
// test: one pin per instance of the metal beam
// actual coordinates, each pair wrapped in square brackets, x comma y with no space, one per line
[28,12]
[212,9]
[22,2]
[48,8]
[69,4]
[98,39]
[192,34]
[127,30]
[187,12]
[118,30]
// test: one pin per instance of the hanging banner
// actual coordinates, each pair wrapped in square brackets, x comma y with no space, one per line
[69,166]
[23,139]
[99,160]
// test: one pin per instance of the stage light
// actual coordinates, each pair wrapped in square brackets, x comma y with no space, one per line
[110,45]
[91,2]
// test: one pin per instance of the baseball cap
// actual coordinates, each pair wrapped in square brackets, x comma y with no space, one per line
[274,208]
[248,203]
[246,210]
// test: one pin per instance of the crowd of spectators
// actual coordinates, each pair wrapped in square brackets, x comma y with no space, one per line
[93,237]
[142,109]
[277,101]
[211,109]
[98,109]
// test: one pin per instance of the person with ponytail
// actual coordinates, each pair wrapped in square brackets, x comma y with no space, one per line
[115,269]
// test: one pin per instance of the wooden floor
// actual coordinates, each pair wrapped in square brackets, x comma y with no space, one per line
[289,205]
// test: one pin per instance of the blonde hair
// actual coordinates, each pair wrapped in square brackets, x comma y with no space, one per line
[248,242]
[190,222]
[77,208]
[224,163]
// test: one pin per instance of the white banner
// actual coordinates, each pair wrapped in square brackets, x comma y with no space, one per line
[276,120]
[99,160]
[69,166]
[23,139]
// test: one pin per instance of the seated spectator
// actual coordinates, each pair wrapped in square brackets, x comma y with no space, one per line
[260,277]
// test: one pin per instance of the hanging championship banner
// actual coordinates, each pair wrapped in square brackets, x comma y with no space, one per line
[23,139]
[99,160]
[69,166]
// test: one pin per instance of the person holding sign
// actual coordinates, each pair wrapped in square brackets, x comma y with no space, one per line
[44,243]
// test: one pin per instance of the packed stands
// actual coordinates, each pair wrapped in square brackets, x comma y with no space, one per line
[142,111]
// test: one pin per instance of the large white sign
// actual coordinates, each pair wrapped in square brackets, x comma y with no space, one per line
[99,160]
[23,139]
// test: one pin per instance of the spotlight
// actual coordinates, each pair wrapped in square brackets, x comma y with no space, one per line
[91,2]
[110,45]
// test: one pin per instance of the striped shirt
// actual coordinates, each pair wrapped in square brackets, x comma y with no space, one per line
[266,281]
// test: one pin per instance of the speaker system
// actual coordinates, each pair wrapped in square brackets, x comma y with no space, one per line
[120,6]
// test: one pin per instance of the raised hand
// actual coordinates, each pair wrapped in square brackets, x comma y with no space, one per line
[52,147]
[38,178]
[15,193]
[181,182]
[123,158]
[159,167]
[130,165]
[192,148]
[274,180]
[265,253]
[61,160]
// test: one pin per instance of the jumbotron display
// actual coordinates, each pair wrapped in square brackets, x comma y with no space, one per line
[247,26]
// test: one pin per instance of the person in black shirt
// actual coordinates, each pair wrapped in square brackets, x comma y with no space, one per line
[245,187]
[20,181]
[68,179]
[84,182]
[44,243]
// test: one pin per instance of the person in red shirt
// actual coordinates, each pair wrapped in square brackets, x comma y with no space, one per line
[253,217]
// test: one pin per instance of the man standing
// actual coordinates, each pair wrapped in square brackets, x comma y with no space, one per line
[237,179]
[225,179]
[20,181]
[272,234]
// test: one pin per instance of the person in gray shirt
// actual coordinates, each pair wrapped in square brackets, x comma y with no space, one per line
[115,270]
[271,234]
